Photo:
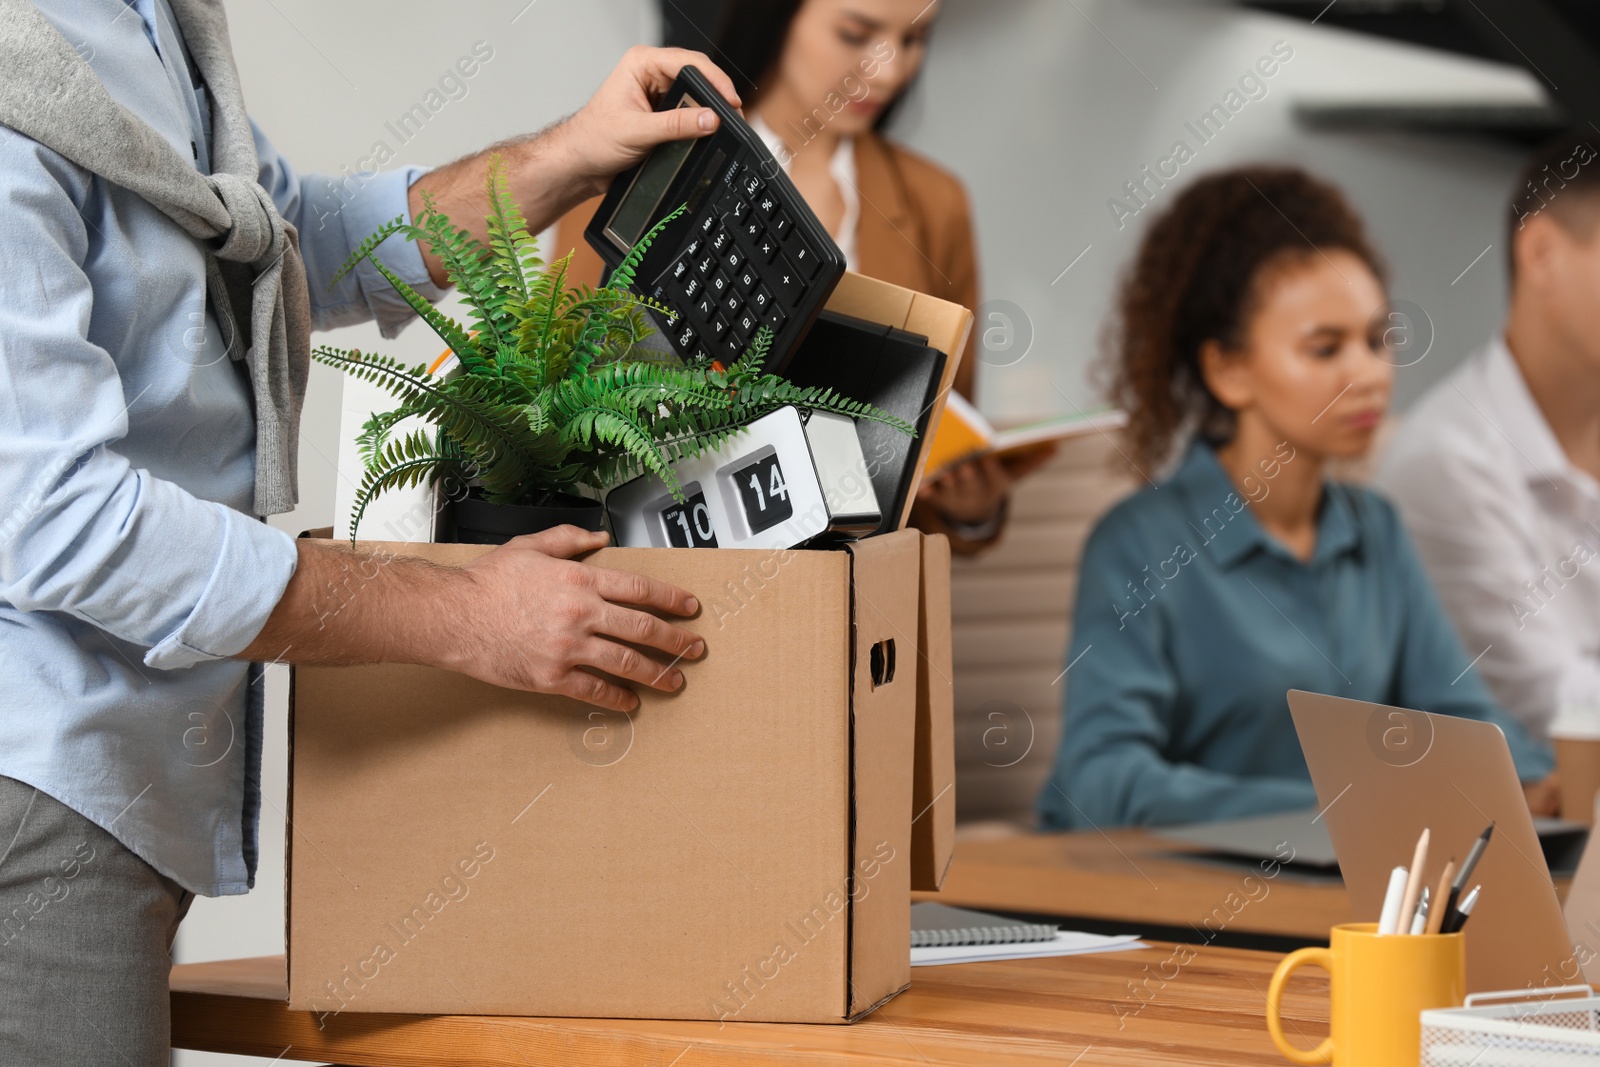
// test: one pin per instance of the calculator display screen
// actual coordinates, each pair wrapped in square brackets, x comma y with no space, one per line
[632,217]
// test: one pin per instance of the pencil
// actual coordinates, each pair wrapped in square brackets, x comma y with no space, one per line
[1436,914]
[1408,903]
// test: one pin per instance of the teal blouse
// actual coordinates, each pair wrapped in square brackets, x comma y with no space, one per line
[1192,622]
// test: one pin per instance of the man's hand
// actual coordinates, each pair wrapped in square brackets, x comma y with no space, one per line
[524,616]
[619,125]
[553,171]
[549,619]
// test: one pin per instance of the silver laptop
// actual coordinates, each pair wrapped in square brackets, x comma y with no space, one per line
[1263,837]
[1382,774]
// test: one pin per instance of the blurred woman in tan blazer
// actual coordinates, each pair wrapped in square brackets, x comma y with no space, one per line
[819,79]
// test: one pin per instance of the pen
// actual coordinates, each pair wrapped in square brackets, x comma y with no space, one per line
[1464,912]
[1420,922]
[1465,873]
[1389,921]
[1436,914]
[1408,905]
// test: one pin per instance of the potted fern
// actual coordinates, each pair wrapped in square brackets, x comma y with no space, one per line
[553,400]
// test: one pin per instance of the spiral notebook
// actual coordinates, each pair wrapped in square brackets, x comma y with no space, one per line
[939,924]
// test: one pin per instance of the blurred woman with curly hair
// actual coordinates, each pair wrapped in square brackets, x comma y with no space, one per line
[1249,349]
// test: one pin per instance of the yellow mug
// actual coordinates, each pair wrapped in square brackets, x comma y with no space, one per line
[1380,987]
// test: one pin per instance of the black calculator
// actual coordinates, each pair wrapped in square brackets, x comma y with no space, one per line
[747,252]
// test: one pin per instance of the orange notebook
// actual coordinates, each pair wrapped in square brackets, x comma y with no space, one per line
[963,433]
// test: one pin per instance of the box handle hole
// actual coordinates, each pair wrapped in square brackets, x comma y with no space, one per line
[881,661]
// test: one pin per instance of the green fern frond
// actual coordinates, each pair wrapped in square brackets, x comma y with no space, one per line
[405,463]
[466,263]
[622,276]
[509,242]
[449,330]
[599,425]
[368,246]
[754,357]
[374,433]
[464,408]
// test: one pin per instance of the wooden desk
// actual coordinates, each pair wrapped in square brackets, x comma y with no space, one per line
[1133,882]
[1132,879]
[1025,1012]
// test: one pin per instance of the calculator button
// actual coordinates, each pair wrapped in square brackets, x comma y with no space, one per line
[686,338]
[761,299]
[733,260]
[693,248]
[732,303]
[707,308]
[738,212]
[746,280]
[775,318]
[805,260]
[707,224]
[719,326]
[752,232]
[680,269]
[786,282]
[719,285]
[691,288]
[780,226]
[732,347]
[669,318]
[720,241]
[750,184]
[707,264]
[766,248]
[726,199]
[701,355]
[746,323]
[767,205]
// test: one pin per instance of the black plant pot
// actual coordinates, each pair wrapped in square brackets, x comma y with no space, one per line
[475,521]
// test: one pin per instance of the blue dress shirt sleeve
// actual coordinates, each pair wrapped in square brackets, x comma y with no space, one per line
[1122,700]
[81,530]
[1435,672]
[334,215]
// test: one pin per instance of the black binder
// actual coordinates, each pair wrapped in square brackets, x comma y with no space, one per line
[881,365]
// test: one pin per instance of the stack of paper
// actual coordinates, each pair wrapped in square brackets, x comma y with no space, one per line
[1065,943]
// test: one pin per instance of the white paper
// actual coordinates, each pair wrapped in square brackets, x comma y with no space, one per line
[1066,943]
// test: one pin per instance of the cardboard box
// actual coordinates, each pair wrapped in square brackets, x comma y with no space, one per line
[741,849]
[933,822]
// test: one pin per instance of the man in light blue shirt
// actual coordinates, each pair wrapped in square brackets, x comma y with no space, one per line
[137,587]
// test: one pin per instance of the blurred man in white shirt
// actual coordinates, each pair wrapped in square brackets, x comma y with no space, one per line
[1497,470]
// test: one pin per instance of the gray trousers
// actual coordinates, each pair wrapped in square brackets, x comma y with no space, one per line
[86,931]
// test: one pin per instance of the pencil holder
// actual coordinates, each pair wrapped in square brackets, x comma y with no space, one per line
[1380,986]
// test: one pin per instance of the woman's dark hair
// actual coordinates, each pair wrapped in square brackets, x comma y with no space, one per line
[745,38]
[1197,277]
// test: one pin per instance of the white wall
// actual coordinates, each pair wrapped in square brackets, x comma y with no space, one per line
[1047,108]
[1044,108]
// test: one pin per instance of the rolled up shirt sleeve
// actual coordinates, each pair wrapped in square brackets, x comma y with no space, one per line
[334,214]
[82,531]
